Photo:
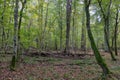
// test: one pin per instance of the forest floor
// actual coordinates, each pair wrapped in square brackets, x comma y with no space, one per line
[58,67]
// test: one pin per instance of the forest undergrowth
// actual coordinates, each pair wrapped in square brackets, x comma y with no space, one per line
[58,67]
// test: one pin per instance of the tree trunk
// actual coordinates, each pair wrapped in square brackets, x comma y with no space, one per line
[13,62]
[68,20]
[83,35]
[98,57]
[106,27]
[60,22]
[40,23]
[42,43]
[116,30]
[3,27]
[19,27]
[73,36]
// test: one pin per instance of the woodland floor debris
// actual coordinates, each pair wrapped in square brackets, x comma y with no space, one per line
[62,67]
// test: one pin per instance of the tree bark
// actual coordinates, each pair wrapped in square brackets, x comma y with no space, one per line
[19,27]
[106,27]
[60,22]
[83,35]
[98,57]
[42,43]
[13,62]
[40,23]
[3,27]
[116,30]
[68,21]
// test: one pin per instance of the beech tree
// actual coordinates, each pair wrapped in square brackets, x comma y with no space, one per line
[14,58]
[68,21]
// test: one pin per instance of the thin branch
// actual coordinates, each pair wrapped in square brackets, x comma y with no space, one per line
[99,2]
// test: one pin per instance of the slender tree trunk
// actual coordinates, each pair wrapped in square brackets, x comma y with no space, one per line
[56,45]
[83,35]
[2,24]
[106,27]
[60,22]
[116,30]
[13,62]
[73,25]
[61,33]
[4,40]
[42,44]
[3,36]
[19,27]
[40,23]
[68,21]
[113,40]
[98,57]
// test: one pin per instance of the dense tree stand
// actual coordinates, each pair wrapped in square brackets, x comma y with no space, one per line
[59,39]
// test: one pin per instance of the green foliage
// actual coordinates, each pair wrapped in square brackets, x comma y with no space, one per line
[33,23]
